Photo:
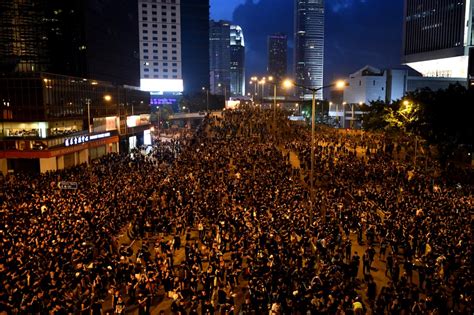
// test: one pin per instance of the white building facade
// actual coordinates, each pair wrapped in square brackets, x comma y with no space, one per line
[160,46]
[372,84]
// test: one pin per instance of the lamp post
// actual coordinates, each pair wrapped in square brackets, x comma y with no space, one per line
[225,90]
[207,98]
[271,81]
[254,81]
[262,82]
[289,84]
[88,103]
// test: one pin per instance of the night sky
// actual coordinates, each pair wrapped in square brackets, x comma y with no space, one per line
[358,32]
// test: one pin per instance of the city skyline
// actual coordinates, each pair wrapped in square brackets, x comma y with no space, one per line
[346,48]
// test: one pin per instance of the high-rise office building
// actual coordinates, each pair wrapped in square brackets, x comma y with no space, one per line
[174,50]
[195,44]
[437,37]
[219,55]
[237,61]
[160,46]
[78,37]
[309,44]
[277,54]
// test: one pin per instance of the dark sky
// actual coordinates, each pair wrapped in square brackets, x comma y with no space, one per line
[358,32]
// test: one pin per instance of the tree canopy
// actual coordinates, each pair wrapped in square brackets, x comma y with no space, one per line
[443,118]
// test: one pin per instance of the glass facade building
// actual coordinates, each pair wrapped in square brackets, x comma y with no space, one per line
[43,114]
[277,54]
[81,38]
[309,44]
[195,44]
[219,56]
[237,61]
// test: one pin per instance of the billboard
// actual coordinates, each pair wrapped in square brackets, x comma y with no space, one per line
[161,85]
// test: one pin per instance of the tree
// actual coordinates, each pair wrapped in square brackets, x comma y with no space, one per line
[443,118]
[374,115]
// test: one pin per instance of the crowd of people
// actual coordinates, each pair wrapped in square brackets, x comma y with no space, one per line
[231,203]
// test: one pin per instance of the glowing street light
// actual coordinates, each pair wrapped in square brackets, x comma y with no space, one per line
[289,84]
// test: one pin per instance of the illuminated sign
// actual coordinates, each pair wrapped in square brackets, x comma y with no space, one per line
[133,121]
[232,104]
[161,85]
[83,139]
[147,137]
[163,101]
[454,67]
[138,120]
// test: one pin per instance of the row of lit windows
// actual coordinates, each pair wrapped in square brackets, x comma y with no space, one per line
[158,70]
[164,58]
[156,25]
[156,13]
[164,45]
[165,64]
[155,57]
[154,19]
[164,52]
[165,39]
[155,76]
[156,32]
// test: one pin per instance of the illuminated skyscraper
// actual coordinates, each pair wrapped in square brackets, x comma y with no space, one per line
[195,46]
[160,46]
[174,50]
[74,37]
[277,53]
[309,44]
[237,61]
[219,53]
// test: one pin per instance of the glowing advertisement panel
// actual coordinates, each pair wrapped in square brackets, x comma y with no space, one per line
[161,85]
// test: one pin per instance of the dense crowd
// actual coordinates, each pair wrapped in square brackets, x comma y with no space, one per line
[252,242]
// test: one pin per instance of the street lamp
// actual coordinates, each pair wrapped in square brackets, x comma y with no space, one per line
[88,103]
[254,81]
[270,79]
[207,98]
[225,90]
[339,85]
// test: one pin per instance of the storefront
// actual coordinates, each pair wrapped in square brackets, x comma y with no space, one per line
[61,158]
